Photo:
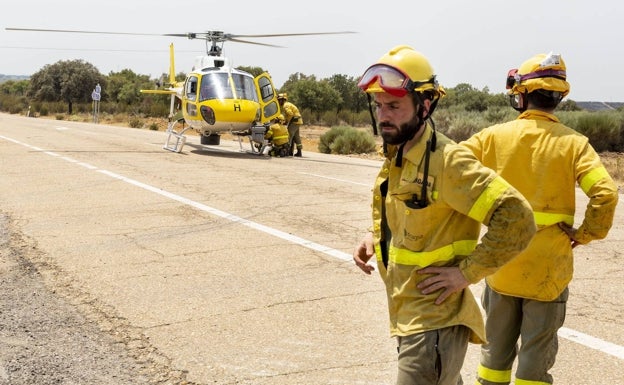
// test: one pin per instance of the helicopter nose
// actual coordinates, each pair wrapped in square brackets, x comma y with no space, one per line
[208,114]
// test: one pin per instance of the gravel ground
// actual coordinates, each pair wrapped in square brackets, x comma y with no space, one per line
[52,335]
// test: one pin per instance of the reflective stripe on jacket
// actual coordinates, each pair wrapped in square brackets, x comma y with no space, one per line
[461,195]
[277,134]
[544,160]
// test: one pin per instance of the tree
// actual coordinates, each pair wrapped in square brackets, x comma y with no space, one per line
[293,79]
[470,98]
[125,86]
[68,81]
[14,87]
[255,71]
[317,96]
[353,98]
[568,105]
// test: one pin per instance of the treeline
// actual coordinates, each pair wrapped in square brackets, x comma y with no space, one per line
[65,88]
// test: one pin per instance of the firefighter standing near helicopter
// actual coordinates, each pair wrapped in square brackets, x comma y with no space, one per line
[293,122]
[277,135]
[544,160]
[429,200]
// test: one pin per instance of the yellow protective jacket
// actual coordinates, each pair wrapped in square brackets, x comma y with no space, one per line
[461,195]
[277,134]
[291,113]
[544,160]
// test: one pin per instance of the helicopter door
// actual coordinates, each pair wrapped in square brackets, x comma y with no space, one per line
[267,96]
[190,93]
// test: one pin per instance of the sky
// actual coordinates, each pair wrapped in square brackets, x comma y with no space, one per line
[474,42]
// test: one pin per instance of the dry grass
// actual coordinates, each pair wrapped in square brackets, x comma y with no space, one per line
[614,163]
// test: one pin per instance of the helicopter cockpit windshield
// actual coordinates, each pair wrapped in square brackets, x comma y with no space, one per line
[216,86]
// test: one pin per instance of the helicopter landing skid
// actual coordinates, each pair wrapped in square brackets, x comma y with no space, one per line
[257,141]
[176,143]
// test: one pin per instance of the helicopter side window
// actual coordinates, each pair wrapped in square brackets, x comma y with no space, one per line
[191,87]
[271,109]
[266,89]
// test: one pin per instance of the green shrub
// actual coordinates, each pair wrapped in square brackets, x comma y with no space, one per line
[135,123]
[499,115]
[158,110]
[603,130]
[355,119]
[346,140]
[329,118]
[329,137]
[465,125]
[15,109]
[153,126]
[569,118]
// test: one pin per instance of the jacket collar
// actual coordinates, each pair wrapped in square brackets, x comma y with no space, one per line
[415,154]
[538,115]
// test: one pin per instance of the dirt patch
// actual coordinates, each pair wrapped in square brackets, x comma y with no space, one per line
[51,334]
[614,163]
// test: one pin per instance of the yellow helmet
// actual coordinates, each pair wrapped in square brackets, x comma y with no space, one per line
[541,72]
[400,71]
[279,119]
[282,96]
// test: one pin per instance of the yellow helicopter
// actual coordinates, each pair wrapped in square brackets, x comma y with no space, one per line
[215,98]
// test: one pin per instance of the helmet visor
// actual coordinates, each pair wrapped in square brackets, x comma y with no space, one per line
[390,79]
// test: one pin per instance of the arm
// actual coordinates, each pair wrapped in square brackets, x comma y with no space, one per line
[603,196]
[363,253]
[482,195]
[510,230]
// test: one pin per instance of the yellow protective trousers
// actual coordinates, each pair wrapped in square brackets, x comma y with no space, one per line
[535,322]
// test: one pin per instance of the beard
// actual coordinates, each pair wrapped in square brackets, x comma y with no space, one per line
[401,134]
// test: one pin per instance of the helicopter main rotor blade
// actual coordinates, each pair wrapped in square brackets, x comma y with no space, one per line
[255,43]
[210,35]
[230,36]
[93,32]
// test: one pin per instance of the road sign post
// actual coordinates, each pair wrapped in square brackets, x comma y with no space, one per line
[96,95]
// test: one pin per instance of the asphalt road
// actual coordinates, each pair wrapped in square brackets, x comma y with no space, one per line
[123,263]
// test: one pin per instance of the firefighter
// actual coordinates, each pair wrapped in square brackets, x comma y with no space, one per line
[277,135]
[429,200]
[293,122]
[544,160]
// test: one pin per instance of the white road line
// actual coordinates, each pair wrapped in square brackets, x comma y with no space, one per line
[231,217]
[592,342]
[336,179]
[234,218]
[569,334]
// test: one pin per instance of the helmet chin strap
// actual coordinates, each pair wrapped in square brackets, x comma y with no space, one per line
[372,114]
[419,103]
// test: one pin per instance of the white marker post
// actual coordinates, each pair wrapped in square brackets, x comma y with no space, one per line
[96,95]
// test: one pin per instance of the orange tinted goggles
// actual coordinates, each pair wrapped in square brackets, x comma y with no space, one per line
[390,79]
